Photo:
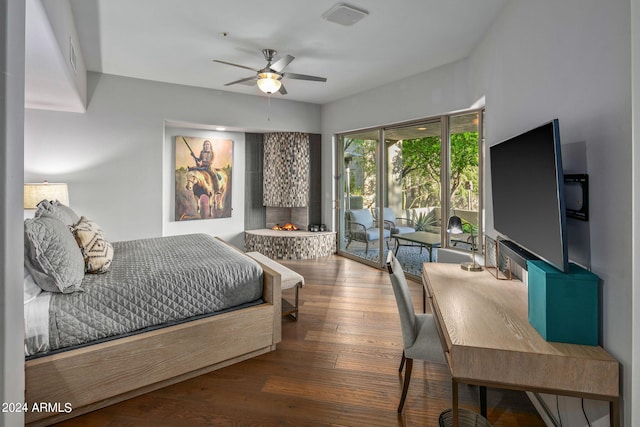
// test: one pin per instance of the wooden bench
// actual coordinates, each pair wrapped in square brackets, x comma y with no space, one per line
[290,279]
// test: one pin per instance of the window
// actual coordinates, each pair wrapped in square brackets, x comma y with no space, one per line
[393,189]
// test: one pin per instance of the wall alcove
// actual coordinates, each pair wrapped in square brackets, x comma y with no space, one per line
[255,211]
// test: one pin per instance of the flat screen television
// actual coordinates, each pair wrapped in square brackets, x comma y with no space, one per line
[528,193]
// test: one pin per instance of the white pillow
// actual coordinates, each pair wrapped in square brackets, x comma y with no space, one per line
[31,289]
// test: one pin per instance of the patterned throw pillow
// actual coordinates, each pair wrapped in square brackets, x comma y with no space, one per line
[96,250]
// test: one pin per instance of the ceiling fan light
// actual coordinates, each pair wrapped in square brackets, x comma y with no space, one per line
[269,82]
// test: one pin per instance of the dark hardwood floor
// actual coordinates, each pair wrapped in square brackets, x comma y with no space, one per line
[336,366]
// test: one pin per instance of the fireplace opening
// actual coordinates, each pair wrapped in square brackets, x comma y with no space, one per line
[288,219]
[287,227]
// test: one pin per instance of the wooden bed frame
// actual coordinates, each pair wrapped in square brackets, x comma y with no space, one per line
[93,377]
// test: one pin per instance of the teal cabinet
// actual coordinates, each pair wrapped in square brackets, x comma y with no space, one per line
[563,307]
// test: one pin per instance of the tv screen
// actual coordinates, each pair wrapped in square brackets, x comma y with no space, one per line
[528,193]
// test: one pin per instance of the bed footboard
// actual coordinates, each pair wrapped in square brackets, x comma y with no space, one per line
[78,381]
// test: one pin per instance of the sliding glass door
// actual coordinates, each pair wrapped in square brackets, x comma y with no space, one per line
[412,191]
[360,236]
[464,175]
[399,185]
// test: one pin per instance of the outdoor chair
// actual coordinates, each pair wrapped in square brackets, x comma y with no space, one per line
[361,227]
[396,224]
[419,334]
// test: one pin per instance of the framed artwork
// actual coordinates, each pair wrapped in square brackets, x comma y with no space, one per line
[203,178]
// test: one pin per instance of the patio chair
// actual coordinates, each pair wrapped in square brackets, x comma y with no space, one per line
[361,227]
[396,224]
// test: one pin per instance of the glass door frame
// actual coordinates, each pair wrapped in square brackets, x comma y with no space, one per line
[341,195]
[381,179]
[446,175]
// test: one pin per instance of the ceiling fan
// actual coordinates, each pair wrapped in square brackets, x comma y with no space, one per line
[269,78]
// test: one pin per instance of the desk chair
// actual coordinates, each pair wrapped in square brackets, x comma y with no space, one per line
[419,335]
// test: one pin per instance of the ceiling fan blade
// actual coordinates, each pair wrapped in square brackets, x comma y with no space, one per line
[281,63]
[244,80]
[304,77]
[236,65]
[282,90]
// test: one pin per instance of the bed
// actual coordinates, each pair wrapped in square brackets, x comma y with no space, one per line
[67,374]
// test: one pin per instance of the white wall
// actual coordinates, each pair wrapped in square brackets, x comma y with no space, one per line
[570,60]
[427,94]
[11,160]
[51,81]
[113,155]
[635,108]
[62,23]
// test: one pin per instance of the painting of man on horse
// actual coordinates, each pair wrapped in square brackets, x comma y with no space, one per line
[203,182]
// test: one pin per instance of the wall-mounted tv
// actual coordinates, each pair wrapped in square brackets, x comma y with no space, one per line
[528,193]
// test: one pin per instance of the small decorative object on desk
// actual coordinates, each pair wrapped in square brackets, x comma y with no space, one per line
[494,261]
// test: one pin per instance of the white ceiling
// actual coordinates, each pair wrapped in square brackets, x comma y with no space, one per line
[175,41]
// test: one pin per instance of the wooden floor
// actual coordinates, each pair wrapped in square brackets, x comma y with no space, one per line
[336,366]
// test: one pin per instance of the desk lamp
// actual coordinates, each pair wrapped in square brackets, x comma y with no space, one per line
[454,226]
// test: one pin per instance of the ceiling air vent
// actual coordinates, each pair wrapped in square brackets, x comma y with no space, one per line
[344,14]
[73,59]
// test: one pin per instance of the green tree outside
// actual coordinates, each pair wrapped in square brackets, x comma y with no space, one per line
[416,168]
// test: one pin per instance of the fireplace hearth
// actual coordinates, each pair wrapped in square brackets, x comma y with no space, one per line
[290,244]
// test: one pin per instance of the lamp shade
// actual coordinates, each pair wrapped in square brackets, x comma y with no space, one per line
[34,193]
[454,226]
[269,82]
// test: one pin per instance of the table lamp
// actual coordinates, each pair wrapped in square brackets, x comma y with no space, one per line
[34,193]
[454,226]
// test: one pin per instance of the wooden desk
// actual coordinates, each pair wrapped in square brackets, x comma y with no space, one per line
[488,341]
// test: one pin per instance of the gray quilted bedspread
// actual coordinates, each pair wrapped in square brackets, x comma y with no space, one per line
[152,282]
